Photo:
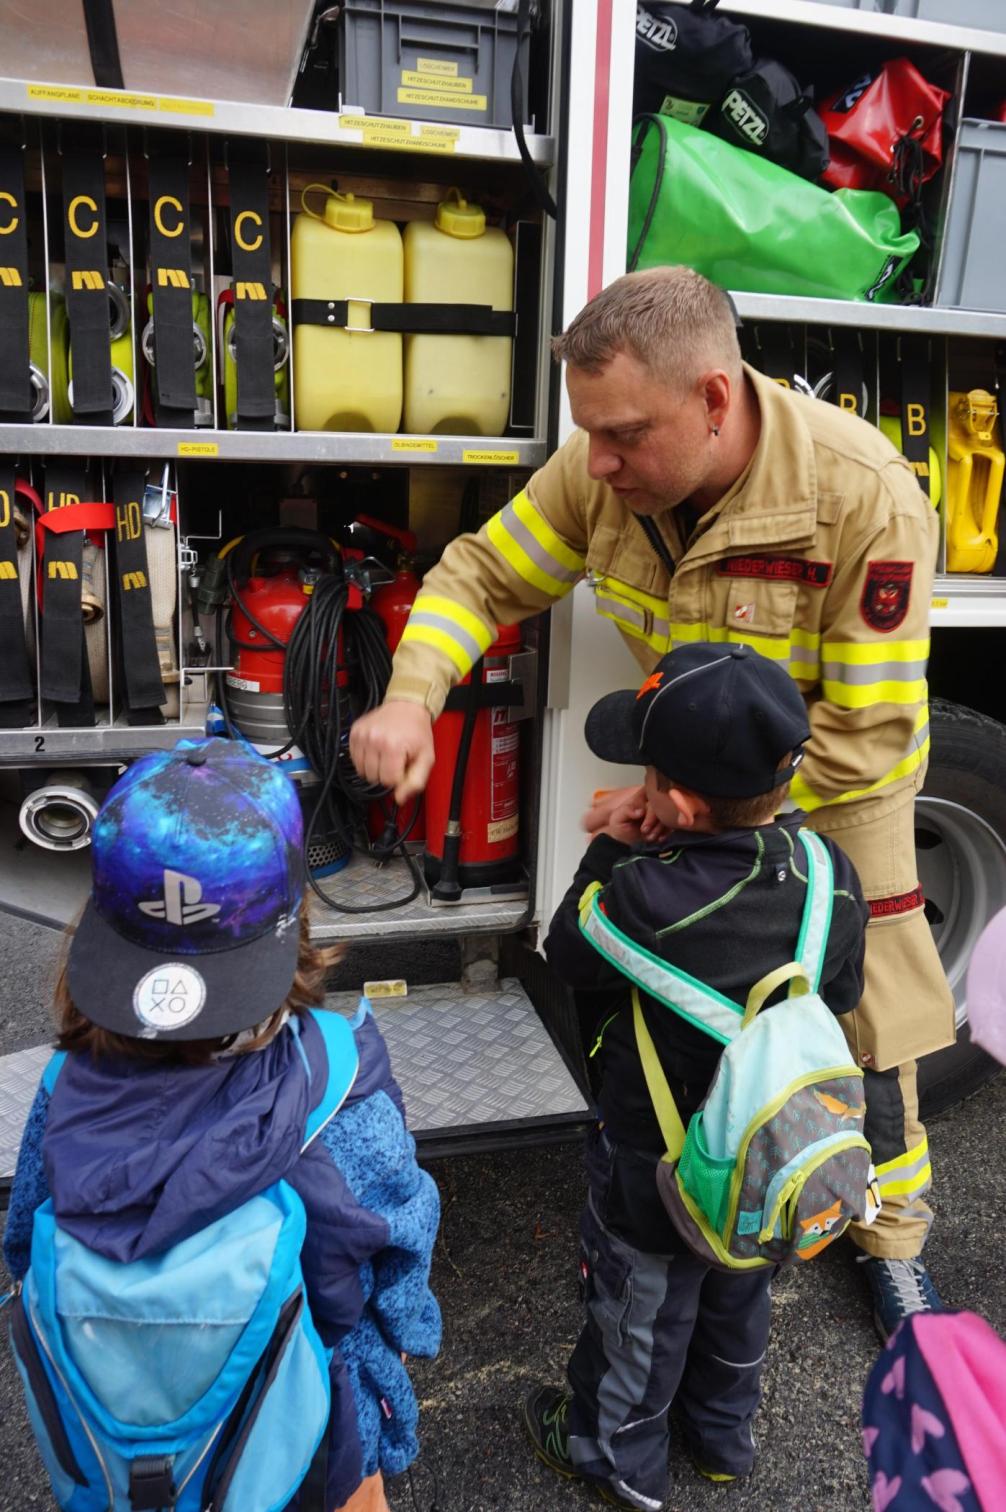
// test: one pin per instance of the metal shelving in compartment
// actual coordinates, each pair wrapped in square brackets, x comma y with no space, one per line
[876,25]
[921,320]
[370,449]
[281,122]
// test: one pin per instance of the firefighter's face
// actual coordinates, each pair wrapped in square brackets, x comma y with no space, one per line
[651,443]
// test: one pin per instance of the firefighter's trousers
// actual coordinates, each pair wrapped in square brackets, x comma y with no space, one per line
[907,1010]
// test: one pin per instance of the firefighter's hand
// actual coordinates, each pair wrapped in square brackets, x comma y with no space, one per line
[393,747]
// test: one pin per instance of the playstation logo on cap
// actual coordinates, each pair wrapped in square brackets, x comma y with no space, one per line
[180,903]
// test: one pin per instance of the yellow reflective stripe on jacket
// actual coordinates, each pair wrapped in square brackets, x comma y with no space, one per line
[448,627]
[856,675]
[530,546]
[800,650]
[632,614]
[805,797]
[909,1175]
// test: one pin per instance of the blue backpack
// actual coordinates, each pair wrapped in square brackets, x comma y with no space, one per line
[192,1379]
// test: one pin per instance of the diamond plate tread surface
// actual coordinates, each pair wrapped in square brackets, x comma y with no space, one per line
[464,1058]
[19,1075]
[460,1059]
[362,884]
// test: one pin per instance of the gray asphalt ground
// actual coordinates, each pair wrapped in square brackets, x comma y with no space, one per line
[505,1273]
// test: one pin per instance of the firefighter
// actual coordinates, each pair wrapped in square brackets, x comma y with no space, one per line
[702,501]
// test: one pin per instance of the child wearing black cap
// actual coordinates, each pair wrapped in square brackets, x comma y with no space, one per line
[718,891]
[206,1147]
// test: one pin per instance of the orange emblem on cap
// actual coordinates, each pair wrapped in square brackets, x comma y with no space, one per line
[653,681]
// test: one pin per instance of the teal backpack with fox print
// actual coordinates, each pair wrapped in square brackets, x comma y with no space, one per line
[774,1165]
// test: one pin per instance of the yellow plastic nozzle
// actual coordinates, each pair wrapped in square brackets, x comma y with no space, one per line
[456,217]
[343,212]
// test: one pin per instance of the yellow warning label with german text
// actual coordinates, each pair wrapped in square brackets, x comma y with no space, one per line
[414,444]
[434,97]
[441,86]
[440,67]
[198,448]
[504,458]
[502,829]
[399,136]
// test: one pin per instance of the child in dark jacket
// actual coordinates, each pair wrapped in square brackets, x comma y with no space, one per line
[718,891]
[193,1064]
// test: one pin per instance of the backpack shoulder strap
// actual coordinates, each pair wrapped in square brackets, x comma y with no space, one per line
[343,1065]
[661,1095]
[701,1005]
[816,924]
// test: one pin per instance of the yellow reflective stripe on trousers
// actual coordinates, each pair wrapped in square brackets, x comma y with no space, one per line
[530,546]
[908,1175]
[448,627]
[805,797]
[855,675]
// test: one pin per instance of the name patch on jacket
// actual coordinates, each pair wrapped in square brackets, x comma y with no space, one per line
[900,903]
[777,569]
[886,594]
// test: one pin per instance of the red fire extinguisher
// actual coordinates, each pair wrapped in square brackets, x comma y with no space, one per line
[392,603]
[473,795]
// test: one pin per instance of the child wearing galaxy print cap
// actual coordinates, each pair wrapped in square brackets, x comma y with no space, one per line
[192,1062]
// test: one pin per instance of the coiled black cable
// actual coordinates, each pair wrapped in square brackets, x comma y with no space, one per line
[321,697]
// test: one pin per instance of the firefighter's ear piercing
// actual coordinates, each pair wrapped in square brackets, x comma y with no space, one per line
[715,430]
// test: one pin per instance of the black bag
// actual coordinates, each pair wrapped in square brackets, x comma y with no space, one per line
[766,111]
[686,59]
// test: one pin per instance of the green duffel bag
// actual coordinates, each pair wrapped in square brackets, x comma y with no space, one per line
[748,224]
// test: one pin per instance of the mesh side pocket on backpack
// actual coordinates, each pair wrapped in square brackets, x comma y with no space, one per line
[705,1179]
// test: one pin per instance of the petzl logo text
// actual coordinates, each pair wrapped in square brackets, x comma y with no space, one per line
[745,117]
[660,33]
[180,903]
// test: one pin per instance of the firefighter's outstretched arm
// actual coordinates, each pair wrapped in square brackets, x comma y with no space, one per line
[869,728]
[522,560]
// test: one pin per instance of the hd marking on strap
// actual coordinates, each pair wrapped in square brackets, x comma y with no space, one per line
[84,228]
[143,688]
[16,399]
[17,694]
[248,170]
[173,378]
[65,678]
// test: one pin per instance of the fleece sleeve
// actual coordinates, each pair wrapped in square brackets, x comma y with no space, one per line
[29,1191]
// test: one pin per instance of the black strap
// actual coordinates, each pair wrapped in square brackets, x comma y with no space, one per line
[251,260]
[143,689]
[500,695]
[17,693]
[915,403]
[152,1483]
[314,1487]
[65,676]
[639,132]
[414,319]
[848,371]
[16,401]
[657,541]
[776,352]
[174,375]
[518,100]
[84,228]
[103,43]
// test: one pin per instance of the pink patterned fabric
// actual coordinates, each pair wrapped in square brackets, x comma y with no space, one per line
[967,1360]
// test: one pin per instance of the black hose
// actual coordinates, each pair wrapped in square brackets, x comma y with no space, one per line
[447,888]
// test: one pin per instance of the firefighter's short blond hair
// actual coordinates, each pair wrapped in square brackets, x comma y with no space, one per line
[674,321]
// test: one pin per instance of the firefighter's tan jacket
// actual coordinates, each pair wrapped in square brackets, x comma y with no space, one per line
[821,556]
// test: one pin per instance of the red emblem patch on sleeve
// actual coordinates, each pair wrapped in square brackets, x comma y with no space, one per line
[886,594]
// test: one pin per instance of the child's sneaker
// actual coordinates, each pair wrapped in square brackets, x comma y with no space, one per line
[546,1422]
[719,1477]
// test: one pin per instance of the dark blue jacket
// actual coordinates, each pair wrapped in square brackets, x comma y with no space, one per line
[727,909]
[138,1157]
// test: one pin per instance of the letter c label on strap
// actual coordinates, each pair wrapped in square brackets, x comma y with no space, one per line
[176,204]
[12,225]
[247,246]
[71,215]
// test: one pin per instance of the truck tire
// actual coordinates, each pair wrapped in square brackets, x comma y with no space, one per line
[960,837]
